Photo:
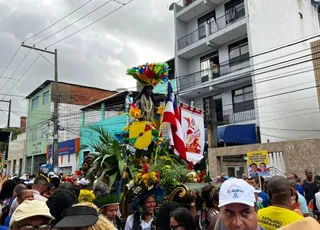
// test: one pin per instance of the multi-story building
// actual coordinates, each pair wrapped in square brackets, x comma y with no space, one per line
[39,123]
[245,57]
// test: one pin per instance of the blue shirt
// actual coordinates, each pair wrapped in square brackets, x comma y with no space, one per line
[3,227]
[303,204]
[265,199]
[299,189]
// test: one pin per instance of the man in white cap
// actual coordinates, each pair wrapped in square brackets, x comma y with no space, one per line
[31,214]
[86,195]
[238,208]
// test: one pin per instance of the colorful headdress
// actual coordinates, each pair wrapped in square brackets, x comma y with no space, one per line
[108,199]
[150,74]
[104,197]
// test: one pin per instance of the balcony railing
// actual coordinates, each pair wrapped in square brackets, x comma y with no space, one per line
[190,80]
[228,19]
[230,117]
[212,27]
[191,38]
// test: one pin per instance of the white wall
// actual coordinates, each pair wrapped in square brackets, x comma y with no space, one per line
[274,23]
[68,161]
[17,150]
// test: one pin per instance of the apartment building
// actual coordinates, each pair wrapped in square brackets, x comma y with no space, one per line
[240,60]
[40,118]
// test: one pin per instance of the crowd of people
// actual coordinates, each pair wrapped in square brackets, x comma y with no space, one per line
[57,202]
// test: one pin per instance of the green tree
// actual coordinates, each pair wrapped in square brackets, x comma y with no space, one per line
[15,133]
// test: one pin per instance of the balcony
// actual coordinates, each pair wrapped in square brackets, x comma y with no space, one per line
[217,32]
[230,117]
[192,9]
[187,82]
[228,27]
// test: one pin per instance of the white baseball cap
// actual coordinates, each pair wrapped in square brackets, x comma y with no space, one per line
[83,182]
[30,208]
[236,191]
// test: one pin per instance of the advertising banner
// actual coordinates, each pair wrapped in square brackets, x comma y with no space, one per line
[258,163]
[193,131]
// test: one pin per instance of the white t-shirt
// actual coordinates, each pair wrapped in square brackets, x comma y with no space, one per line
[144,225]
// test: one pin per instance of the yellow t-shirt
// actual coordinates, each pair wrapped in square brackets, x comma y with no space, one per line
[272,218]
[86,196]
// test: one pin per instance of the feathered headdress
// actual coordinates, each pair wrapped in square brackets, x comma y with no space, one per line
[150,74]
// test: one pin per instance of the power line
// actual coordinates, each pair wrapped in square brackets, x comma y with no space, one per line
[45,58]
[16,70]
[15,54]
[58,20]
[22,75]
[73,22]
[90,24]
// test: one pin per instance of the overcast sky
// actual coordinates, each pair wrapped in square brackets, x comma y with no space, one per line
[140,32]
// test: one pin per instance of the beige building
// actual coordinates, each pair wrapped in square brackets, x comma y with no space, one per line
[17,151]
[287,157]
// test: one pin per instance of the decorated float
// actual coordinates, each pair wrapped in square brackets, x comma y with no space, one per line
[156,152]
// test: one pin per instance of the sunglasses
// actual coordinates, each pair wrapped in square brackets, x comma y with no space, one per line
[174,227]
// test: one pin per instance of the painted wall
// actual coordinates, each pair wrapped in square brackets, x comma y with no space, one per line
[17,150]
[162,88]
[38,123]
[287,116]
[88,136]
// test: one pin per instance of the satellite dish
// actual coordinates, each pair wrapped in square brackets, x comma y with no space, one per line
[171,7]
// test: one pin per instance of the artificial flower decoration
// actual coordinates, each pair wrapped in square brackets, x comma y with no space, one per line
[150,74]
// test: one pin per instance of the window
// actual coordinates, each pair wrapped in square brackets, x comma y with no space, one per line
[46,98]
[239,51]
[209,62]
[242,99]
[20,166]
[234,10]
[203,21]
[35,103]
[14,167]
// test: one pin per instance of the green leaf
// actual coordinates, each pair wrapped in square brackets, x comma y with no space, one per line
[116,149]
[112,179]
[121,166]
[102,175]
[105,157]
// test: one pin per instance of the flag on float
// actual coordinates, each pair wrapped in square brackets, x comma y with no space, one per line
[171,119]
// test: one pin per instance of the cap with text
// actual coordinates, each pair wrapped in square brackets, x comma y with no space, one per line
[236,191]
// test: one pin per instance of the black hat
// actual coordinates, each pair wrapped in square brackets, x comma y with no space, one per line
[78,216]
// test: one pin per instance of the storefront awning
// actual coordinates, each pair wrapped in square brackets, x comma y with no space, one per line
[241,134]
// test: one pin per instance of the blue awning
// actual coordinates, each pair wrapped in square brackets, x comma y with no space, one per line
[242,134]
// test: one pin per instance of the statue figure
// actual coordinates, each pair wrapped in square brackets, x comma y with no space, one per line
[146,103]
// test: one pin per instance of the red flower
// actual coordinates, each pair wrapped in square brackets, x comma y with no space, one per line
[190,166]
[145,168]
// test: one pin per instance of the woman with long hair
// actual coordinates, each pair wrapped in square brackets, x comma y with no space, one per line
[182,219]
[144,216]
[210,195]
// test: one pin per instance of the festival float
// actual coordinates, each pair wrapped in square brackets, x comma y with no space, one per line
[156,152]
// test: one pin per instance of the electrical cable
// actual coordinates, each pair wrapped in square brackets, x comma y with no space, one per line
[58,21]
[22,75]
[15,70]
[14,55]
[73,22]
[89,24]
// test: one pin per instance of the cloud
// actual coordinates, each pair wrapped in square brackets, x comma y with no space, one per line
[98,56]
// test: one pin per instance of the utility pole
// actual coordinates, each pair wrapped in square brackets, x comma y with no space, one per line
[8,129]
[55,146]
[56,99]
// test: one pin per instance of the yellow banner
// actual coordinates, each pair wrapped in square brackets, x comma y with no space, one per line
[258,163]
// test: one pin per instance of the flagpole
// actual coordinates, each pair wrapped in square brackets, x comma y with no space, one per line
[160,127]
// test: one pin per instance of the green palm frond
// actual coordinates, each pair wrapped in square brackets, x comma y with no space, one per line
[108,165]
